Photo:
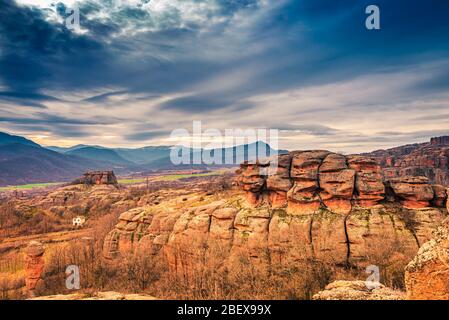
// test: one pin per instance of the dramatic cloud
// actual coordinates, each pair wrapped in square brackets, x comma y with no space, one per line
[138,69]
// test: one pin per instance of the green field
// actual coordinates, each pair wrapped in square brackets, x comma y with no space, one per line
[174,177]
[131,181]
[170,177]
[29,186]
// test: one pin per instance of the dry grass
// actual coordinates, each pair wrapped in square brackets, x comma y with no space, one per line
[205,277]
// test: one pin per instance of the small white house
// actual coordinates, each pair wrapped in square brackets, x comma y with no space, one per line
[79,221]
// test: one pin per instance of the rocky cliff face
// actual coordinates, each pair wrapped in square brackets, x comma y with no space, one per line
[309,180]
[97,177]
[426,159]
[427,275]
[34,264]
[318,206]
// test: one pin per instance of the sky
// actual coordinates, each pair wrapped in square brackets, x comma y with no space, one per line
[138,69]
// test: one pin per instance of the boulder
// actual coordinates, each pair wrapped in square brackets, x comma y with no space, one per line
[337,189]
[357,290]
[413,192]
[369,188]
[304,197]
[279,183]
[253,181]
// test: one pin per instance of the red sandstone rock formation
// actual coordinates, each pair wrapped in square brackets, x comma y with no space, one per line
[252,180]
[425,159]
[34,264]
[440,141]
[304,195]
[97,177]
[414,192]
[279,183]
[309,180]
[317,206]
[269,237]
[337,182]
[368,182]
[426,276]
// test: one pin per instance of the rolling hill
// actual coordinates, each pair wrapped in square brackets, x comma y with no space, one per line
[144,155]
[24,163]
[238,154]
[100,154]
[6,138]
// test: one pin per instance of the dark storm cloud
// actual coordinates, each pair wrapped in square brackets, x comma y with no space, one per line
[197,103]
[146,135]
[40,54]
[43,55]
[26,99]
[295,44]
[25,95]
[7,102]
[103,97]
[42,118]
[36,54]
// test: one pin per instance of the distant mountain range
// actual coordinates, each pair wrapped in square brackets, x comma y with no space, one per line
[124,156]
[6,139]
[24,161]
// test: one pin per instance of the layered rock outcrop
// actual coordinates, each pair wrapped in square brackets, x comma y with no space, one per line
[317,206]
[34,264]
[310,180]
[189,230]
[427,275]
[97,177]
[429,159]
[306,181]
[413,192]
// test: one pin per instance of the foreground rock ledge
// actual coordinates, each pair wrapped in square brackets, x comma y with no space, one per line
[357,290]
[427,275]
[109,295]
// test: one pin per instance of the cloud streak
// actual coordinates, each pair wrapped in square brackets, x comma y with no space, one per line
[309,68]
